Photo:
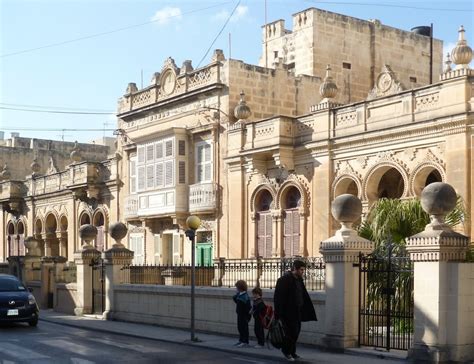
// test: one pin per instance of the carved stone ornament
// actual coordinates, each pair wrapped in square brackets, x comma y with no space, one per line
[52,166]
[386,84]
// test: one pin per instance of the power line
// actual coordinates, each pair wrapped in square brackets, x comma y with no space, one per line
[53,107]
[108,32]
[386,5]
[8,128]
[58,112]
[220,32]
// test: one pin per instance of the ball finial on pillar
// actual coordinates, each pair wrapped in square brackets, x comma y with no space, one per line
[87,233]
[118,231]
[346,209]
[438,199]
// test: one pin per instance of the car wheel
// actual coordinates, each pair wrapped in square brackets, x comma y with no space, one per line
[33,323]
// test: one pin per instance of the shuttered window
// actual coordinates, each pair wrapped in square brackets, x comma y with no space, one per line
[159,180]
[136,244]
[176,249]
[159,150]
[158,248]
[141,178]
[291,232]
[169,180]
[141,154]
[203,162]
[169,148]
[264,235]
[150,152]
[182,147]
[133,175]
[182,172]
[150,176]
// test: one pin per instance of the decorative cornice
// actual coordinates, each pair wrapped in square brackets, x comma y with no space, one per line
[345,246]
[437,246]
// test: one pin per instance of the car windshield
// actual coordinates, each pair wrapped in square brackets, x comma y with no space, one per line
[11,285]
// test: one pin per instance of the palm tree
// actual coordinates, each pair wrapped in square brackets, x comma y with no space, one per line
[397,220]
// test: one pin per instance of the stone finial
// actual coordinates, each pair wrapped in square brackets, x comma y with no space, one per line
[328,88]
[31,245]
[462,53]
[448,62]
[155,79]
[438,199]
[75,154]
[87,233]
[131,88]
[35,167]
[242,111]
[5,174]
[346,209]
[345,245]
[218,56]
[118,231]
[186,67]
[438,242]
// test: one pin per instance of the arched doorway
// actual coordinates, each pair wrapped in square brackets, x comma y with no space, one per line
[11,238]
[63,241]
[385,182]
[21,238]
[264,224]
[424,177]
[51,245]
[291,222]
[346,185]
[99,223]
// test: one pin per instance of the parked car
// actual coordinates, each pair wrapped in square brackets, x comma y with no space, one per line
[17,304]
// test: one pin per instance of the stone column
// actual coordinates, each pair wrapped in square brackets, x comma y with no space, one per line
[277,240]
[62,237]
[115,259]
[83,259]
[47,245]
[342,278]
[45,299]
[443,295]
[252,238]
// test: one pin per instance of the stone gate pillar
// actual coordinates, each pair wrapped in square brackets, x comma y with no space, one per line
[115,259]
[342,277]
[83,260]
[443,294]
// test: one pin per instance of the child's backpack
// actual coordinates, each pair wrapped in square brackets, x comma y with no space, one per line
[276,334]
[266,317]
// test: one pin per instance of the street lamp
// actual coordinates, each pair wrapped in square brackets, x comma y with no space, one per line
[193,223]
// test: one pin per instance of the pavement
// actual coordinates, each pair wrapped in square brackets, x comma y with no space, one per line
[223,343]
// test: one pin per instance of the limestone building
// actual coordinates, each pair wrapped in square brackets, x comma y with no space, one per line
[48,189]
[261,167]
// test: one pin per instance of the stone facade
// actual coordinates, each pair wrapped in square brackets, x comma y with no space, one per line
[48,189]
[263,185]
[356,49]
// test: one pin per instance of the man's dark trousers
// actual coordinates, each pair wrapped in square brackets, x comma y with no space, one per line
[259,333]
[292,329]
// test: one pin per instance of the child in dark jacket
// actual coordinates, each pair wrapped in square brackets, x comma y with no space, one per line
[243,307]
[258,310]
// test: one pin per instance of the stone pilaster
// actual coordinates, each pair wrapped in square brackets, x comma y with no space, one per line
[83,260]
[342,277]
[444,324]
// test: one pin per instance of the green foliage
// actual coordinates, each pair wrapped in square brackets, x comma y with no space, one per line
[401,219]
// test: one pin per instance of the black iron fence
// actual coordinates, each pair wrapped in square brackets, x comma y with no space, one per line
[225,272]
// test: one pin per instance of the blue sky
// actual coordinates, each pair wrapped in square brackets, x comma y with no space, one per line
[93,73]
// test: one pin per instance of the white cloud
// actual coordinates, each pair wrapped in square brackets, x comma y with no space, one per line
[239,13]
[166,15]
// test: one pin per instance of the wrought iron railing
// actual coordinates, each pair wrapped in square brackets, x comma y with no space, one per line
[225,272]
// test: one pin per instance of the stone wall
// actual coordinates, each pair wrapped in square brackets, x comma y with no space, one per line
[215,310]
[65,298]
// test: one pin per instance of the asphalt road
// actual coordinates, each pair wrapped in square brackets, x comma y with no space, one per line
[58,344]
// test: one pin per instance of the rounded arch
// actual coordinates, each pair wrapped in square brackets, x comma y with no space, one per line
[256,195]
[347,184]
[63,223]
[51,223]
[423,175]
[38,226]
[84,218]
[99,218]
[285,188]
[21,229]
[10,228]
[389,173]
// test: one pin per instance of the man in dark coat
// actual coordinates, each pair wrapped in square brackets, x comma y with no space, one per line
[292,306]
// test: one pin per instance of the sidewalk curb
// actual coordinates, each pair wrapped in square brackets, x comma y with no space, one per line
[256,354]
[186,343]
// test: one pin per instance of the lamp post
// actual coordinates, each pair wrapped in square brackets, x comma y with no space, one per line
[193,223]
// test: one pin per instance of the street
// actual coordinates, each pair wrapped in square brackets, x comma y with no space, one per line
[58,344]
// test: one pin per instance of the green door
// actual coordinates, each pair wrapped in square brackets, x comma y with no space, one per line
[204,254]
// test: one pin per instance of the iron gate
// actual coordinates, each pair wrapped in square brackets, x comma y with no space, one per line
[385,301]
[98,286]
